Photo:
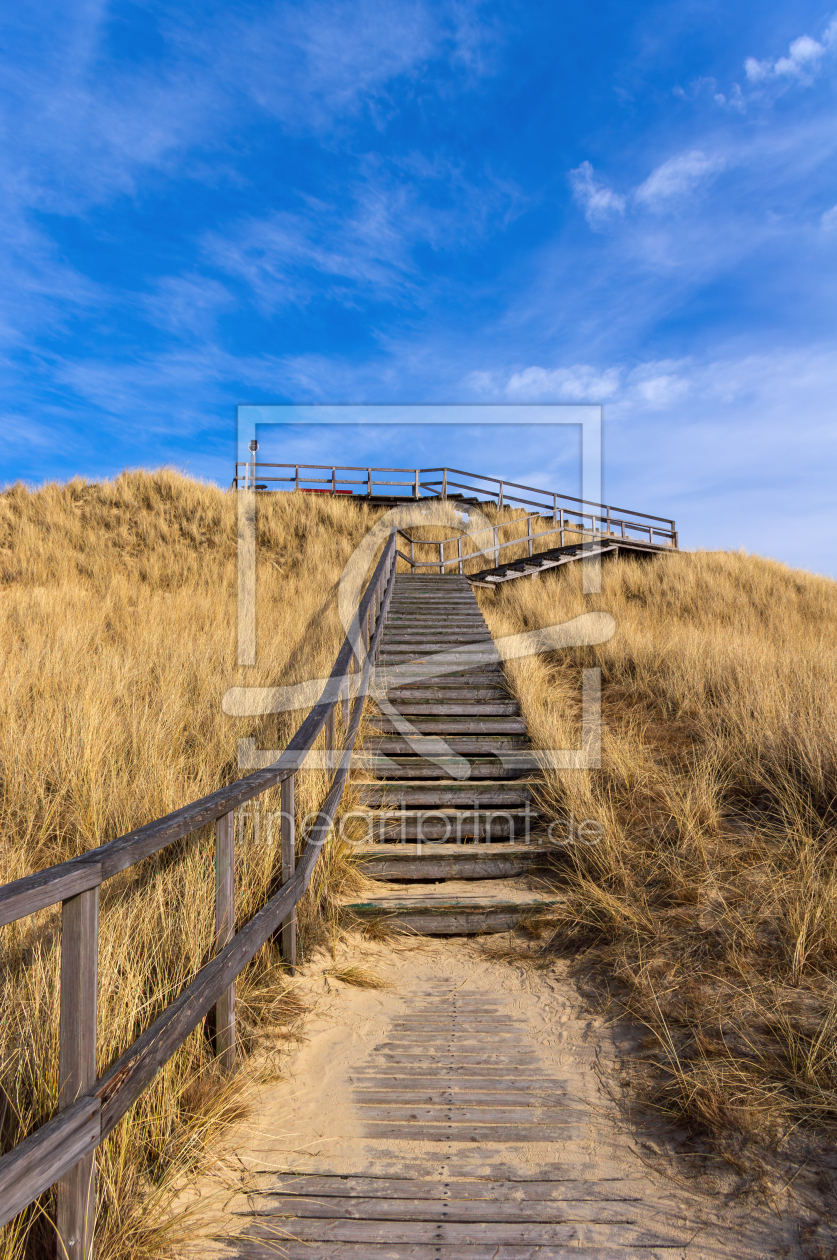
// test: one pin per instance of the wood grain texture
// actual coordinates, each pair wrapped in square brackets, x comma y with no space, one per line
[288,832]
[40,1159]
[224,929]
[76,1192]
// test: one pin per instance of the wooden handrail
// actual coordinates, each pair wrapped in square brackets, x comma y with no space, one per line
[62,1148]
[567,525]
[56,883]
[440,489]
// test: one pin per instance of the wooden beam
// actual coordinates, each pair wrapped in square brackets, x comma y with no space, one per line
[47,1154]
[76,1197]
[56,883]
[288,942]
[224,930]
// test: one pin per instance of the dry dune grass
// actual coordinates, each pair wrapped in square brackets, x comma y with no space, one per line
[118,631]
[709,907]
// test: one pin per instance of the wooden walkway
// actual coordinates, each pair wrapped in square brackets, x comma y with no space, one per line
[554,557]
[476,1129]
[452,830]
[464,1118]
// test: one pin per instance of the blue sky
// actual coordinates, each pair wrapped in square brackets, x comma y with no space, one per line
[626,204]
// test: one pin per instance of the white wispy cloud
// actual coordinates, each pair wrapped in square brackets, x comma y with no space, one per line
[676,177]
[579,383]
[599,202]
[829,219]
[801,62]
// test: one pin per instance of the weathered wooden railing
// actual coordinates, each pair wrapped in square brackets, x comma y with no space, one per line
[62,1150]
[569,524]
[566,508]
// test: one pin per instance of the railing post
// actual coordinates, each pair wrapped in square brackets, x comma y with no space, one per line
[562,527]
[554,508]
[296,487]
[500,499]
[441,558]
[412,556]
[444,483]
[224,929]
[76,1199]
[529,534]
[288,929]
[608,520]
[459,552]
[496,547]
[369,482]
[416,487]
[334,481]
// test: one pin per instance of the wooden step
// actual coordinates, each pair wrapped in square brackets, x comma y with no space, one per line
[453,910]
[453,725]
[466,745]
[444,793]
[449,861]
[449,825]
[393,677]
[435,639]
[482,708]
[420,768]
[401,694]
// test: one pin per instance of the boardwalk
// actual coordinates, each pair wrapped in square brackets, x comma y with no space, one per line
[459,1115]
[473,876]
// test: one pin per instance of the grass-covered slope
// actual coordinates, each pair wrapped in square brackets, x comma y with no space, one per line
[118,640]
[709,907]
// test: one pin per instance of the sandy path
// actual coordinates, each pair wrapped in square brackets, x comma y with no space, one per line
[390,1084]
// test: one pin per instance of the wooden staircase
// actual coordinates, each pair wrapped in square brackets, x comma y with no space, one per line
[531,566]
[451,825]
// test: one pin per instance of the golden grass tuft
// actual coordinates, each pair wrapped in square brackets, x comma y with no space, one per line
[118,632]
[709,906]
[359,977]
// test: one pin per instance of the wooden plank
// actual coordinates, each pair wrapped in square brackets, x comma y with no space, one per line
[443,826]
[450,922]
[398,694]
[455,726]
[224,929]
[27,896]
[468,1133]
[454,1114]
[76,1191]
[458,708]
[437,636]
[391,1088]
[431,867]
[447,794]
[47,1154]
[428,1231]
[342,1186]
[288,833]
[466,745]
[482,1212]
[255,1249]
[417,767]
